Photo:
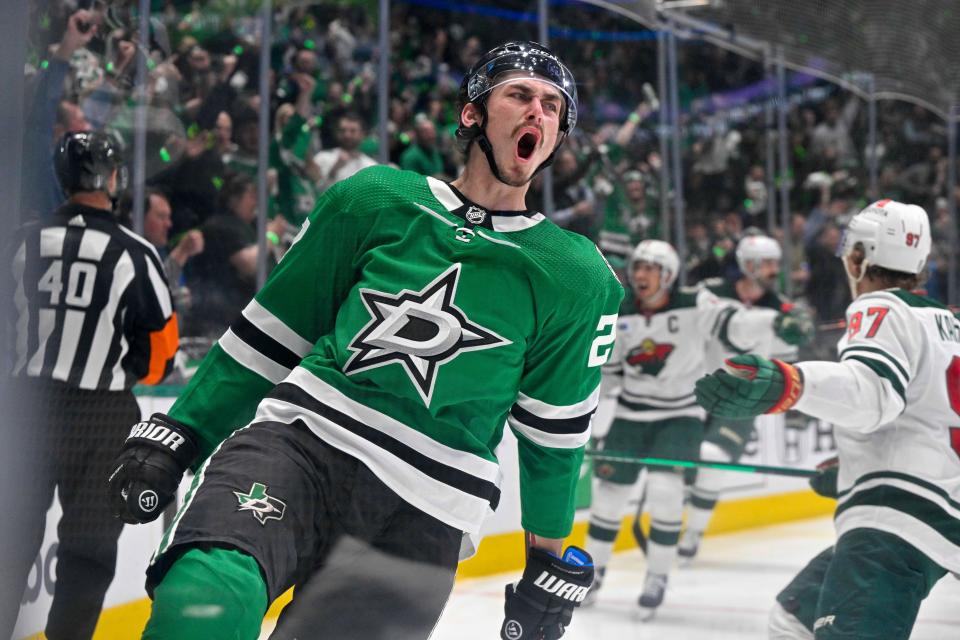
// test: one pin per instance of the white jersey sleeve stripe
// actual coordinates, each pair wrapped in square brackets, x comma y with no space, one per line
[252,359]
[260,317]
[547,439]
[879,353]
[556,412]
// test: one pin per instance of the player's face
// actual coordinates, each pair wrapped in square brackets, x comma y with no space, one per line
[523,123]
[767,272]
[645,279]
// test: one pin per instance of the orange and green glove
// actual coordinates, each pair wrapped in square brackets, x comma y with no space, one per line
[750,385]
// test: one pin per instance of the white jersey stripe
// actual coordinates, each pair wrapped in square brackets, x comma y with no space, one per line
[882,358]
[69,337]
[695,411]
[438,499]
[274,327]
[916,532]
[143,241]
[251,358]
[123,274]
[93,244]
[546,439]
[160,289]
[119,380]
[329,395]
[508,224]
[444,194]
[906,485]
[51,242]
[23,311]
[46,318]
[557,412]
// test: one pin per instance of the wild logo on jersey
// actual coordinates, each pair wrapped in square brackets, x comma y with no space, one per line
[650,357]
[420,330]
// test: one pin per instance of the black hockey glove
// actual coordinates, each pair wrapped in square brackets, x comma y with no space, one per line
[148,469]
[540,606]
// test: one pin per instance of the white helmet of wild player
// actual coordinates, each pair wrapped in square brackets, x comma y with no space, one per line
[653,252]
[758,257]
[892,235]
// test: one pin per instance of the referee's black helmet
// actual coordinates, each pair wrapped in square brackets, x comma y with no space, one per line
[85,161]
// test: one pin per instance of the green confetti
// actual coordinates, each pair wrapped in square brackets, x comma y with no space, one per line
[44,64]
[164,154]
[404,138]
[193,130]
[110,67]
[747,203]
[217,182]
[347,98]
[309,44]
[238,50]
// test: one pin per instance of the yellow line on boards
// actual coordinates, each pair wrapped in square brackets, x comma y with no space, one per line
[504,552]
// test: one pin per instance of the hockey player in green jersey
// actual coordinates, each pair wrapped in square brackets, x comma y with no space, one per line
[892,398]
[662,336]
[367,385]
[758,261]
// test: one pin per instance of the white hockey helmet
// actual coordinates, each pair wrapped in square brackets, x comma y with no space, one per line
[894,236]
[661,254]
[752,249]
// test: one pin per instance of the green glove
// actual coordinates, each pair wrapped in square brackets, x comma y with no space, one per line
[751,385]
[794,325]
[825,482]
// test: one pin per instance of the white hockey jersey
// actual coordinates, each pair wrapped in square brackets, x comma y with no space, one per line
[763,342]
[658,357]
[894,399]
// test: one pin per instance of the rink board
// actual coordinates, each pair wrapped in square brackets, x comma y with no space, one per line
[748,500]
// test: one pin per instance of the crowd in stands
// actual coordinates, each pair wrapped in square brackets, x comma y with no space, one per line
[204,107]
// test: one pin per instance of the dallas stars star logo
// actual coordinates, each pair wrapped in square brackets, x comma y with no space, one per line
[419,330]
[264,507]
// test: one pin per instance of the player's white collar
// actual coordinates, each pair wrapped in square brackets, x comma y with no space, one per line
[504,224]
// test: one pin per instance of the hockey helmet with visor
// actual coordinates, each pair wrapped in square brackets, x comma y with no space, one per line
[520,59]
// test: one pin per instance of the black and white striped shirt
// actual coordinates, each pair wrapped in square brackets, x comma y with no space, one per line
[92,304]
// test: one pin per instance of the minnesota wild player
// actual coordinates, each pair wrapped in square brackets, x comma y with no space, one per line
[725,439]
[363,391]
[894,401]
[662,336]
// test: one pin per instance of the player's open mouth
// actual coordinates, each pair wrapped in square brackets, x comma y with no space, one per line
[527,144]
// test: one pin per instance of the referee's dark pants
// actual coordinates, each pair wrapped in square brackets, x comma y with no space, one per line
[66,439]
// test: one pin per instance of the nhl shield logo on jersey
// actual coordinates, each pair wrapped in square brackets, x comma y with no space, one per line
[419,330]
[650,357]
[475,215]
[264,506]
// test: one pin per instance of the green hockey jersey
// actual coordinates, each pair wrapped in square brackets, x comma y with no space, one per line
[406,326]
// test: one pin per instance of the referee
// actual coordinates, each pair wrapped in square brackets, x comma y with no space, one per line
[92,316]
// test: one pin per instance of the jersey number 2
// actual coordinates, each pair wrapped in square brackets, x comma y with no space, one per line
[953,392]
[600,349]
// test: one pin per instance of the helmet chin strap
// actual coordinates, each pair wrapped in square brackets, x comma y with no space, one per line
[852,281]
[484,143]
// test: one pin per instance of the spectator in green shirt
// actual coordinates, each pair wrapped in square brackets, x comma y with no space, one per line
[422,155]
